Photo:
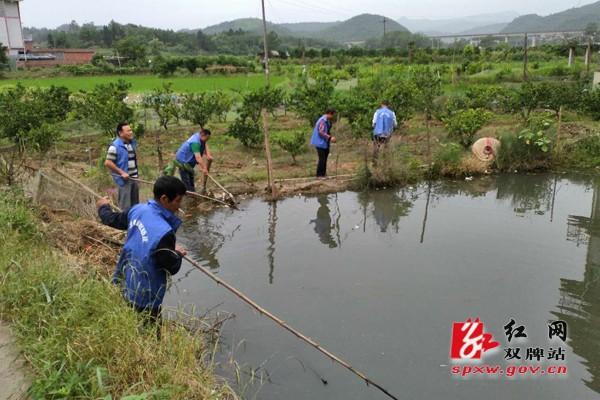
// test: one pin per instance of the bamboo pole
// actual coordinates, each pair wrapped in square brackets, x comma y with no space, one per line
[308,178]
[222,188]
[193,194]
[287,327]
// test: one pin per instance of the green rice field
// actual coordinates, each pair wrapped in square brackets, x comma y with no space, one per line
[145,83]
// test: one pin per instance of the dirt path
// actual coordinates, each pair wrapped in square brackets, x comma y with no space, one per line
[13,380]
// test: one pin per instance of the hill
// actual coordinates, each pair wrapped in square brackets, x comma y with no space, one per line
[303,28]
[253,25]
[572,19]
[456,25]
[360,28]
[356,29]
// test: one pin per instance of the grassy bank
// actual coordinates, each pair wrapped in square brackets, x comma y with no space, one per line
[78,335]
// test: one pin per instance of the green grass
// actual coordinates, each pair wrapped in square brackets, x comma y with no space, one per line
[145,83]
[78,335]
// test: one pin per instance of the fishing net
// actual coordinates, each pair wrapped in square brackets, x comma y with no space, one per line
[70,222]
[60,194]
[486,149]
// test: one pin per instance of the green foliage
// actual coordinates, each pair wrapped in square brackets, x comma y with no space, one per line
[394,166]
[133,48]
[528,99]
[104,106]
[22,111]
[591,103]
[584,153]
[463,125]
[246,127]
[523,151]
[448,154]
[359,103]
[246,130]
[538,139]
[554,95]
[163,102]
[310,100]
[43,138]
[428,84]
[27,120]
[292,142]
[202,107]
[3,56]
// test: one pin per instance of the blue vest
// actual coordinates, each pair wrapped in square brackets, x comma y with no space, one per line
[384,122]
[145,282]
[185,155]
[122,159]
[317,140]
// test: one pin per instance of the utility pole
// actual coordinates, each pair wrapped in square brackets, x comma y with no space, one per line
[384,22]
[525,58]
[265,116]
[588,56]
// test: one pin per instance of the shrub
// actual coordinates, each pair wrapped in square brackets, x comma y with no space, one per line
[163,102]
[246,127]
[247,131]
[449,154]
[27,120]
[522,152]
[104,106]
[310,100]
[591,103]
[464,125]
[584,153]
[292,142]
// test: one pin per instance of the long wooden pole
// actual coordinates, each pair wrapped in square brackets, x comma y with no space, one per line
[526,58]
[222,187]
[75,181]
[287,327]
[265,117]
[193,194]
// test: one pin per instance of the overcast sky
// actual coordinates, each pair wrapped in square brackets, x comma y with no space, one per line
[178,14]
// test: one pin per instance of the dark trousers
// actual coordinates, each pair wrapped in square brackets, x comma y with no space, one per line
[188,178]
[322,164]
[129,195]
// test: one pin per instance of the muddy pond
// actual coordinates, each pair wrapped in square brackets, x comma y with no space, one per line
[381,277]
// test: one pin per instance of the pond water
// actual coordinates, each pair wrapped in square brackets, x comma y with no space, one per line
[380,277]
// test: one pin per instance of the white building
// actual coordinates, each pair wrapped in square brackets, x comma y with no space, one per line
[11,32]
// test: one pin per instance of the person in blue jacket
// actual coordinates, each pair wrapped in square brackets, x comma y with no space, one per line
[190,155]
[121,160]
[150,253]
[322,139]
[384,124]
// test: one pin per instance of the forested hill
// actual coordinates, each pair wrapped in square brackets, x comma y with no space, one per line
[573,19]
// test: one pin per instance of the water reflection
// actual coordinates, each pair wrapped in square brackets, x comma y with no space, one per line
[527,192]
[272,230]
[580,300]
[323,223]
[207,240]
[388,207]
